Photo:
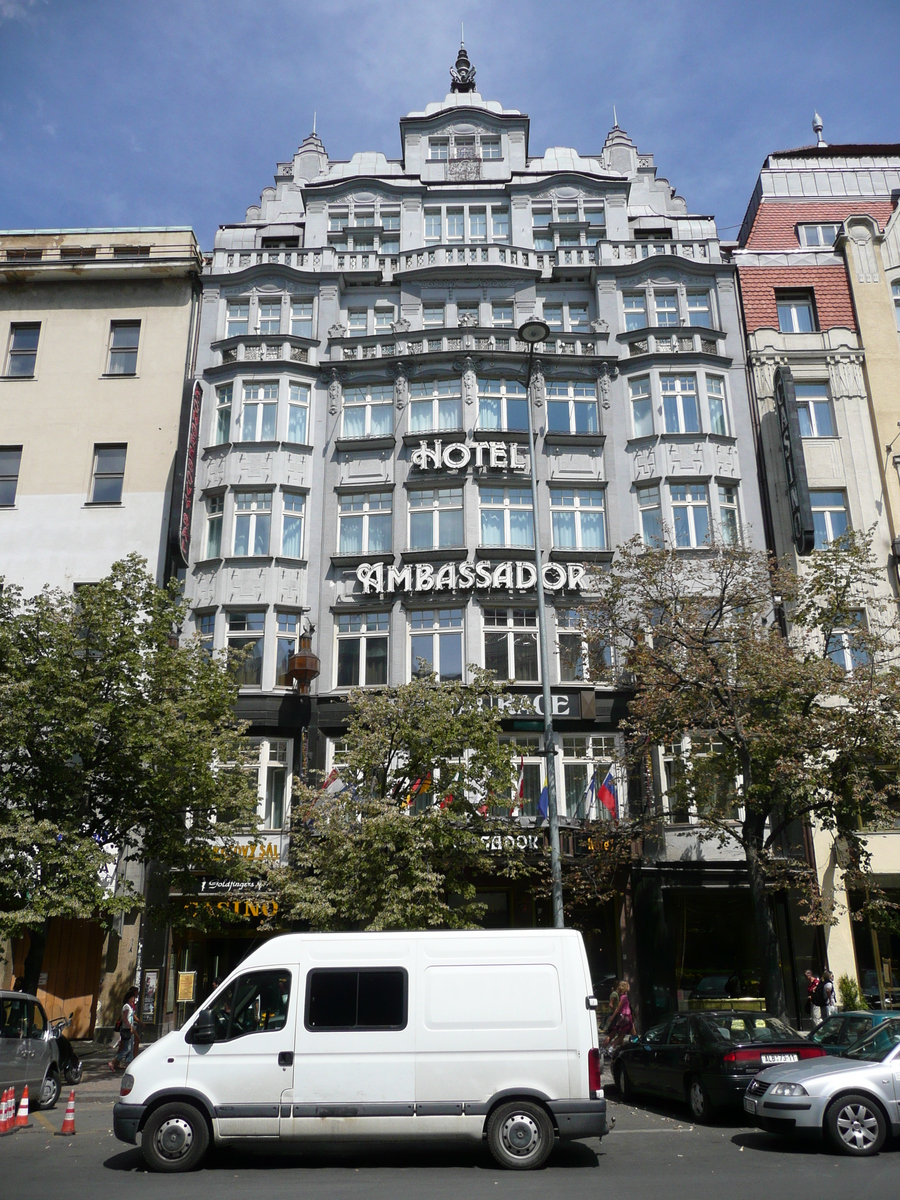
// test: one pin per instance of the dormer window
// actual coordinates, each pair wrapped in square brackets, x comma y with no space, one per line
[363,217]
[438,149]
[338,220]
[490,148]
[817,235]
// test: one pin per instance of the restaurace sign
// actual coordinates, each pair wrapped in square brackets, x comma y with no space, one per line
[512,576]
[494,456]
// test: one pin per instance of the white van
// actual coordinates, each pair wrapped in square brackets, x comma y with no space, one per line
[380,1035]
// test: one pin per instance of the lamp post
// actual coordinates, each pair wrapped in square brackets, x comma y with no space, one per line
[531,333]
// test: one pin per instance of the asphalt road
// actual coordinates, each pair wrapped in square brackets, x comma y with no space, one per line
[654,1153]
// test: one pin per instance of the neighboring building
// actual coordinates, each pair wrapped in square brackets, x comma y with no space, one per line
[97,328]
[364,462]
[819,268]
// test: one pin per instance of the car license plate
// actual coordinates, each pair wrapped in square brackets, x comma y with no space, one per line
[768,1059]
[749,1105]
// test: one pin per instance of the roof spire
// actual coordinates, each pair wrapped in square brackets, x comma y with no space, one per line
[314,121]
[817,130]
[615,118]
[462,76]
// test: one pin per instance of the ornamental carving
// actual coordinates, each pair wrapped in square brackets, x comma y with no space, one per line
[469,380]
[538,386]
[333,380]
[598,325]
[845,376]
[337,331]
[401,385]
[401,326]
[467,320]
[606,373]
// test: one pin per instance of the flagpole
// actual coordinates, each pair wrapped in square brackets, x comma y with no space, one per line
[531,333]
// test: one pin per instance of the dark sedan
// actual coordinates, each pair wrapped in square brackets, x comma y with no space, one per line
[707,1059]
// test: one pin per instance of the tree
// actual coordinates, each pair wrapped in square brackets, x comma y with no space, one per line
[398,834]
[116,743]
[779,731]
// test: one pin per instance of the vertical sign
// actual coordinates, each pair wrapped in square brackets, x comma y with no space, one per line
[190,473]
[802,529]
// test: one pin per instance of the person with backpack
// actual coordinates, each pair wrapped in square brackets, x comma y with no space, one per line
[814,997]
[829,995]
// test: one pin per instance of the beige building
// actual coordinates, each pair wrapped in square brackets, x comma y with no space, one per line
[97,328]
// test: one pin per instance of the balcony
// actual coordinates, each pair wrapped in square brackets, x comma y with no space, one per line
[479,340]
[263,348]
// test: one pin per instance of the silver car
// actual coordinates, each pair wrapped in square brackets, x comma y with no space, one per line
[28,1054]
[853,1099]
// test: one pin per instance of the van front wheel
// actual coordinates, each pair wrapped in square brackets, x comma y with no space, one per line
[175,1138]
[520,1135]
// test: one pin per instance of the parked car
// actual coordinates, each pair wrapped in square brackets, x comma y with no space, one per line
[707,1059]
[28,1054]
[718,987]
[873,996]
[483,1035]
[836,1034]
[852,1098]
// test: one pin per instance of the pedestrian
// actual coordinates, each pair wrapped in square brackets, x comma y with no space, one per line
[126,1028]
[813,997]
[607,1021]
[829,995]
[622,1024]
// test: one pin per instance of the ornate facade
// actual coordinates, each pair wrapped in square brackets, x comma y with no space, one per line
[364,463]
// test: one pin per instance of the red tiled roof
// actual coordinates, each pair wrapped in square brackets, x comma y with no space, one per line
[774,226]
[832,292]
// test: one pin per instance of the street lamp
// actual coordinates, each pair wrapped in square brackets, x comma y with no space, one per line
[531,333]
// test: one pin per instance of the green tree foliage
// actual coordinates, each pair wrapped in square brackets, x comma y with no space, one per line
[780,734]
[396,839]
[116,743]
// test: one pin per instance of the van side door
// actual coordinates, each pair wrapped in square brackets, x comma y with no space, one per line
[245,1071]
[355,1068]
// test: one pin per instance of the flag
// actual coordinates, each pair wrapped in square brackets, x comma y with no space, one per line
[544,803]
[589,796]
[520,789]
[422,784]
[608,797]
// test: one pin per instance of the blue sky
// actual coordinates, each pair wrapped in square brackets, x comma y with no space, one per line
[170,112]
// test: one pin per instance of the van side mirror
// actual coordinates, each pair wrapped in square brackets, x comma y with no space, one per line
[203,1031]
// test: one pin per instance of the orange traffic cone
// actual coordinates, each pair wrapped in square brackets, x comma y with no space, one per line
[6,1120]
[22,1121]
[68,1125]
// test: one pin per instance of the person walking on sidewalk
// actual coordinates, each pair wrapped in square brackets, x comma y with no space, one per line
[829,995]
[622,1024]
[126,1028]
[814,997]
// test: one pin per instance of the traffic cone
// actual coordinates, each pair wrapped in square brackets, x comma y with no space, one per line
[68,1125]
[6,1123]
[22,1121]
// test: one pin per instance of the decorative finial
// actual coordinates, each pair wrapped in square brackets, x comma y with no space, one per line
[817,130]
[462,76]
[615,118]
[315,114]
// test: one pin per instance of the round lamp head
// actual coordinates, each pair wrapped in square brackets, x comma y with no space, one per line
[533,331]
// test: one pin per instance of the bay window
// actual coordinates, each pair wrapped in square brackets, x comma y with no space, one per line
[679,393]
[729,521]
[641,406]
[298,412]
[215,509]
[715,398]
[270,316]
[287,627]
[252,523]
[635,310]
[666,304]
[223,414]
[294,504]
[690,514]
[651,515]
[698,309]
[301,318]
[237,318]
[260,412]
[245,637]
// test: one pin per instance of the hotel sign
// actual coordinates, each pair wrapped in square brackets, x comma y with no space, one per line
[455,456]
[464,576]
[802,529]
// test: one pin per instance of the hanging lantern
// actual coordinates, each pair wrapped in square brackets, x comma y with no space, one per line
[304,665]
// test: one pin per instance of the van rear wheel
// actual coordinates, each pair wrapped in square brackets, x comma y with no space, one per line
[520,1135]
[175,1138]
